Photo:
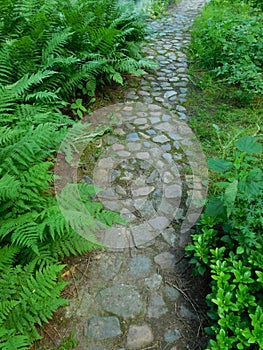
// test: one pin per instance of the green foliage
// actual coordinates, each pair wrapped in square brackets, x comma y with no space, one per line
[229,243]
[25,300]
[75,44]
[49,52]
[227,41]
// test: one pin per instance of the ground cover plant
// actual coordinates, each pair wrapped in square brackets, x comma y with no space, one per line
[50,52]
[226,103]
[227,41]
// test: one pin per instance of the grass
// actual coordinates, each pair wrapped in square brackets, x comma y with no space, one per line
[219,115]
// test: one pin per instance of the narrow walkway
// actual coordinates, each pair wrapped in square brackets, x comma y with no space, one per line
[153,173]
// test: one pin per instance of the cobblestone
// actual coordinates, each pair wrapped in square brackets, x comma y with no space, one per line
[127,302]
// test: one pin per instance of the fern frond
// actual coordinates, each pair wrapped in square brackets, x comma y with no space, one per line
[6,71]
[9,340]
[9,135]
[35,145]
[69,244]
[9,187]
[52,223]
[36,298]
[7,256]
[103,40]
[8,226]
[87,72]
[7,101]
[55,44]
[27,81]
[6,307]
[26,236]
[42,96]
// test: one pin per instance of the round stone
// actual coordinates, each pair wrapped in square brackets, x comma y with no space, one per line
[154,282]
[171,293]
[156,307]
[166,261]
[171,335]
[100,328]
[121,300]
[139,336]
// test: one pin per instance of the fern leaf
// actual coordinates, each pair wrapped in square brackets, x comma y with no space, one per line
[7,256]
[26,236]
[27,81]
[52,223]
[9,187]
[103,39]
[55,44]
[5,308]
[9,340]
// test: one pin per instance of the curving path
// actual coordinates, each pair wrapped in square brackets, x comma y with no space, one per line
[153,173]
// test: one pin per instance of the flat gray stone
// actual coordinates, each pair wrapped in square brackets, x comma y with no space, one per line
[139,336]
[143,155]
[100,328]
[140,265]
[171,293]
[124,154]
[147,144]
[171,237]
[145,165]
[109,266]
[180,108]
[168,177]
[168,157]
[170,94]
[140,121]
[142,235]
[151,132]
[121,300]
[166,147]
[117,147]
[132,146]
[175,137]
[153,177]
[155,120]
[172,191]
[156,307]
[153,282]
[159,223]
[166,117]
[133,136]
[166,261]
[171,335]
[142,191]
[186,312]
[161,139]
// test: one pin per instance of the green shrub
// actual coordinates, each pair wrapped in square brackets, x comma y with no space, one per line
[227,40]
[229,243]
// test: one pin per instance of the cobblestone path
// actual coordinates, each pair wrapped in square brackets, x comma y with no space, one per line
[153,173]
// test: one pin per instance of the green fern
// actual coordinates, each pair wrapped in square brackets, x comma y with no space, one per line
[7,256]
[32,302]
[49,49]
[9,340]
